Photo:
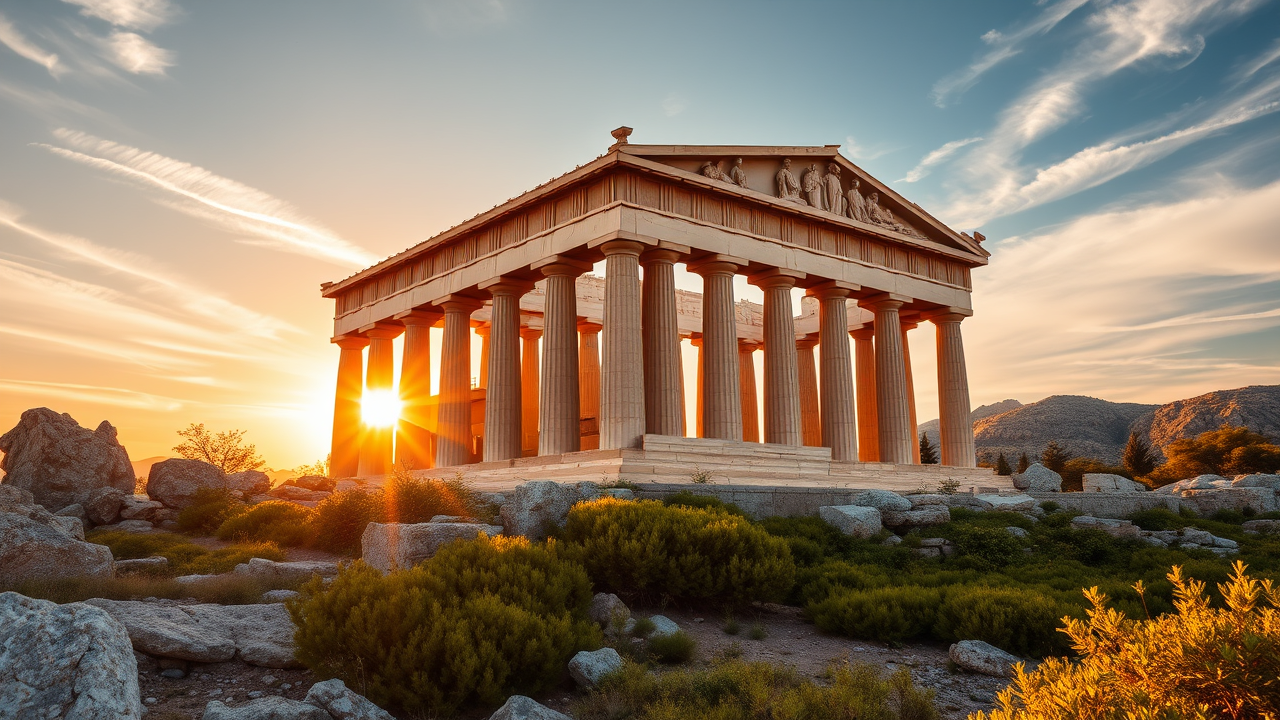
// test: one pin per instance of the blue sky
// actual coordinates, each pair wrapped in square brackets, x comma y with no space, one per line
[176,178]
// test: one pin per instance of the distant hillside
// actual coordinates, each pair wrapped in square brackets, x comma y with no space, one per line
[1256,407]
[983,411]
[141,468]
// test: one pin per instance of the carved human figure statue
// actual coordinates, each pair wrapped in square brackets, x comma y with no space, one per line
[712,170]
[788,186]
[812,183]
[737,175]
[856,207]
[834,193]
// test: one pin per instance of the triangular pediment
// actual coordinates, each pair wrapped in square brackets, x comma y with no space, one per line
[818,178]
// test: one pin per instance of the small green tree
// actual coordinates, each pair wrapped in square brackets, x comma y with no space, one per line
[1226,451]
[1137,457]
[1054,457]
[1024,462]
[928,453]
[1002,465]
[225,450]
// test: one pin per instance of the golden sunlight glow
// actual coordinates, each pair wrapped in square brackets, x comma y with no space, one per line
[380,408]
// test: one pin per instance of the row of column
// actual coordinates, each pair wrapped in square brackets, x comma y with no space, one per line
[640,325]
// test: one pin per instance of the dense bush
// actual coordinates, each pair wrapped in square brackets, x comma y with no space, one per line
[185,557]
[890,614]
[671,649]
[684,498]
[677,551]
[737,690]
[277,521]
[1198,662]
[477,622]
[1017,620]
[340,519]
[209,508]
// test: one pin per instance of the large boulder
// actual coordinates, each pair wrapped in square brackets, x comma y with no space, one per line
[589,668]
[1199,482]
[1106,482]
[103,505]
[61,463]
[856,520]
[175,481]
[67,661]
[1038,478]
[1207,502]
[1007,503]
[295,570]
[923,516]
[1257,480]
[259,635]
[881,500]
[607,609]
[519,707]
[535,507]
[392,546]
[343,703]
[985,658]
[272,707]
[249,482]
[1110,526]
[35,544]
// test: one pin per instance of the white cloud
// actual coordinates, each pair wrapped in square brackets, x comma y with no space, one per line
[1251,68]
[137,14]
[857,151]
[136,54]
[17,42]
[1004,47]
[673,105]
[236,207]
[98,395]
[926,165]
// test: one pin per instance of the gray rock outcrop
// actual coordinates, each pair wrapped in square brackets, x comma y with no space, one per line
[881,500]
[259,635]
[923,516]
[588,668]
[175,481]
[392,546]
[663,626]
[984,658]
[272,707]
[1114,528]
[608,609]
[1106,482]
[61,463]
[1009,503]
[1038,478]
[856,520]
[535,507]
[343,703]
[295,570]
[68,661]
[36,544]
[249,482]
[103,505]
[519,707]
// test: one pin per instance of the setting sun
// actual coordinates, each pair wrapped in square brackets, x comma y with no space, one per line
[380,408]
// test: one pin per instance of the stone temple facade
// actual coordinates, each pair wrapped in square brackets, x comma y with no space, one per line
[602,393]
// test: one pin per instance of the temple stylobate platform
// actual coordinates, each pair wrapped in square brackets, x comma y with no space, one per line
[583,375]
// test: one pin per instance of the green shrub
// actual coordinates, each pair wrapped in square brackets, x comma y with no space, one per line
[406,499]
[185,557]
[228,589]
[685,498]
[209,508]
[994,547]
[890,614]
[277,521]
[735,690]
[677,551]
[476,623]
[643,627]
[1016,620]
[672,649]
[340,519]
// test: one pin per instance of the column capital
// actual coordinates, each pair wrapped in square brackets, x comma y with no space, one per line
[888,301]
[660,255]
[459,303]
[717,264]
[350,342]
[419,317]
[946,314]
[506,285]
[866,332]
[482,329]
[776,277]
[560,265]
[382,330]
[588,326]
[622,247]
[530,333]
[804,342]
[833,289]
[745,345]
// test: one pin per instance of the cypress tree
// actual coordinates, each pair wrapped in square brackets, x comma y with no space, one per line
[1024,462]
[928,453]
[1054,457]
[1137,457]
[1002,465]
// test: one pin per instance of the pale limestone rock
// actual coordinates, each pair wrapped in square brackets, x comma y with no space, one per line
[1257,480]
[61,463]
[1106,482]
[273,570]
[985,658]
[35,544]
[272,707]
[249,482]
[1200,482]
[923,516]
[175,481]
[1114,528]
[279,596]
[663,626]
[1016,531]
[68,525]
[1038,478]
[393,546]
[607,608]
[69,661]
[134,507]
[534,507]
[260,635]
[1266,527]
[1207,502]
[75,510]
[519,707]
[342,703]
[855,520]
[133,526]
[295,493]
[141,564]
[1196,536]
[881,500]
[588,668]
[1009,503]
[103,505]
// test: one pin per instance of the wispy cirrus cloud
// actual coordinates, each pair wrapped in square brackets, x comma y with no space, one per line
[936,157]
[1251,68]
[136,54]
[96,394]
[199,192]
[143,15]
[12,38]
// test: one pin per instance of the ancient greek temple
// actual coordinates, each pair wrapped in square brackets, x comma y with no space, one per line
[582,376]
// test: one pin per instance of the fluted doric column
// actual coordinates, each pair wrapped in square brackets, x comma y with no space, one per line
[954,423]
[376,455]
[722,400]
[559,408]
[588,369]
[502,406]
[747,371]
[344,451]
[868,420]
[453,422]
[622,421]
[911,390]
[810,421]
[663,370]
[782,420]
[529,381]
[700,395]
[413,439]
[892,409]
[839,426]
[482,332]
